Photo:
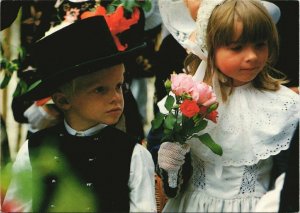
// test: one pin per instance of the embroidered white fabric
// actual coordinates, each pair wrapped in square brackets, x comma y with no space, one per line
[238,189]
[252,125]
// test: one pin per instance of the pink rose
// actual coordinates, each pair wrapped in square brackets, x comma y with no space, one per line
[189,108]
[203,94]
[181,83]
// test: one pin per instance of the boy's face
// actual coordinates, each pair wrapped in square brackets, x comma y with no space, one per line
[98,98]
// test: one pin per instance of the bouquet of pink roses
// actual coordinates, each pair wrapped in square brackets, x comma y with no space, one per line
[189,109]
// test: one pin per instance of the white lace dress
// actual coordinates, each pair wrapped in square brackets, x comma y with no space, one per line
[252,127]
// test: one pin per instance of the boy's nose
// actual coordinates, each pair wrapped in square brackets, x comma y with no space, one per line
[117,96]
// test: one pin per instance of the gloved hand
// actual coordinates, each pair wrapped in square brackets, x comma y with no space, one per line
[40,117]
[170,158]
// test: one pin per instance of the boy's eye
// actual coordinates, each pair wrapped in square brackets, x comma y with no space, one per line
[125,87]
[119,86]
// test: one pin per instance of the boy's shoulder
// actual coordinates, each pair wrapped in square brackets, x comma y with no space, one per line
[51,134]
[115,135]
[107,134]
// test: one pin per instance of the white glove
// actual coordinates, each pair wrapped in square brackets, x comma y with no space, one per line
[39,119]
[170,158]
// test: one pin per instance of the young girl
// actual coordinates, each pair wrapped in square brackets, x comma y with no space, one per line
[82,164]
[257,115]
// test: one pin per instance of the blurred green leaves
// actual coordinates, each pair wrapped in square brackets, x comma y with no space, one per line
[8,68]
[129,5]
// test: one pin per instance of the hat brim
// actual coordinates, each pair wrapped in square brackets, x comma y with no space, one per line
[46,87]
[180,24]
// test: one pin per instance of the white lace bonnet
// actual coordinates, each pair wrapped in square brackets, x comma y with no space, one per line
[180,24]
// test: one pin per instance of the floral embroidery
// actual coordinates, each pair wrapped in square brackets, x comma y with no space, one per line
[248,180]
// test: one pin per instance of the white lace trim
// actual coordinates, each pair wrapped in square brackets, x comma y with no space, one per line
[203,15]
[253,125]
[177,19]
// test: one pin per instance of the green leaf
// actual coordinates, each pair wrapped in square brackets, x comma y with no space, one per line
[147,5]
[12,67]
[22,53]
[202,124]
[128,5]
[5,81]
[17,91]
[4,63]
[23,85]
[212,107]
[169,102]
[158,120]
[170,121]
[110,9]
[209,142]
[187,123]
[32,86]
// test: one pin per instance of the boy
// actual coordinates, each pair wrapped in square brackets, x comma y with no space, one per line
[82,164]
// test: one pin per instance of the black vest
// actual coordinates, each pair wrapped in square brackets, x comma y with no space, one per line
[98,165]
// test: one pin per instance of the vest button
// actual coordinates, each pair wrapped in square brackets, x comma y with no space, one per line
[91,160]
[97,139]
[89,184]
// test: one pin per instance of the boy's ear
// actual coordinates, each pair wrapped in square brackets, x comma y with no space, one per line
[61,101]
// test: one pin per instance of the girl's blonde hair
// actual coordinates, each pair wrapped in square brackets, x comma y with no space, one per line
[257,26]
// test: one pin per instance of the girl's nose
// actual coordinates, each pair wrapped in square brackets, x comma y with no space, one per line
[250,53]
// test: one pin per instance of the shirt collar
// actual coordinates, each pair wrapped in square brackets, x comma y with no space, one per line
[89,132]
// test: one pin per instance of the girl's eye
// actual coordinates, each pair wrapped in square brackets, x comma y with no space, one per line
[99,90]
[261,44]
[236,47]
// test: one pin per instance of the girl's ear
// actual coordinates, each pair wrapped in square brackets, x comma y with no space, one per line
[61,101]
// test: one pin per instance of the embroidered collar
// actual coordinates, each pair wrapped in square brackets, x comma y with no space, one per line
[89,132]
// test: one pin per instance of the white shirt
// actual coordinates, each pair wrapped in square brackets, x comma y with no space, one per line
[141,180]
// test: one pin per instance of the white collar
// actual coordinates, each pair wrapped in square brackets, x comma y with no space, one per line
[91,131]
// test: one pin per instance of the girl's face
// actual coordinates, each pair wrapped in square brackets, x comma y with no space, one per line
[98,98]
[241,62]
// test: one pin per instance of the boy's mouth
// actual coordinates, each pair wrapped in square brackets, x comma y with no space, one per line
[116,109]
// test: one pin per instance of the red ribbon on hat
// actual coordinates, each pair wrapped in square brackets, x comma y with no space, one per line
[116,21]
[42,101]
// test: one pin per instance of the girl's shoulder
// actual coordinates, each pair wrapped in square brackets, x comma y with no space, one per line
[287,98]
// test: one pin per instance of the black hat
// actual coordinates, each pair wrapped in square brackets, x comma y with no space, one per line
[81,48]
